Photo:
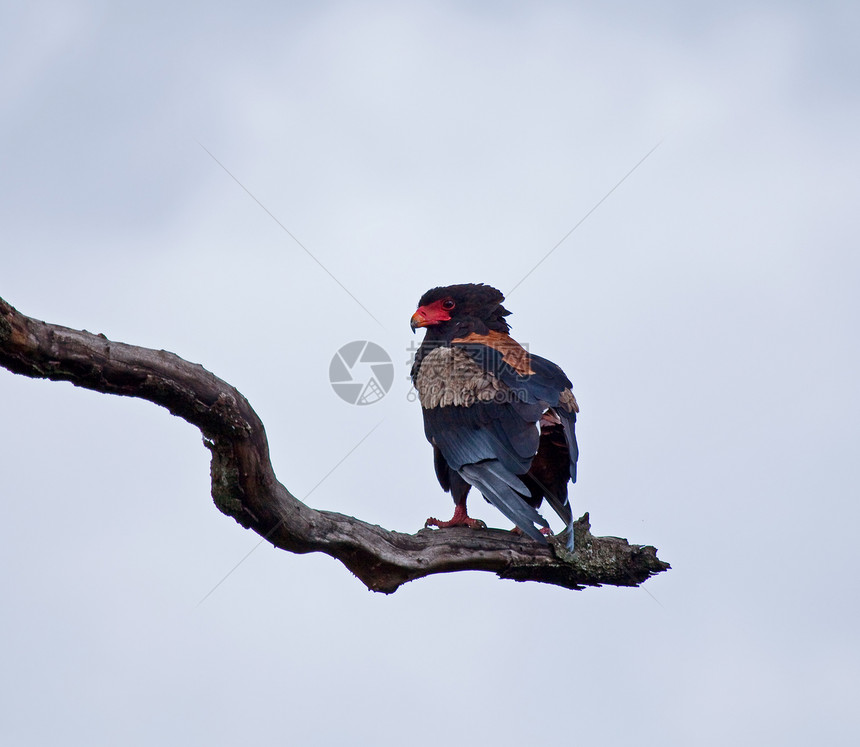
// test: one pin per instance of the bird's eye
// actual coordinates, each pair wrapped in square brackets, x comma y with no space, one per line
[448,304]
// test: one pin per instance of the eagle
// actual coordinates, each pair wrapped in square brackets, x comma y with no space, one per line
[498,417]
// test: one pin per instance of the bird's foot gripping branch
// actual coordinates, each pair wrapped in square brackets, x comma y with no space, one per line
[244,484]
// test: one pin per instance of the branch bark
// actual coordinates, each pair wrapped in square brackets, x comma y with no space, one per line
[244,485]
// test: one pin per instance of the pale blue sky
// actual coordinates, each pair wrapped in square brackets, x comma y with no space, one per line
[706,312]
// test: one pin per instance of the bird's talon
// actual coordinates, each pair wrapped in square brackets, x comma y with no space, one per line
[460,519]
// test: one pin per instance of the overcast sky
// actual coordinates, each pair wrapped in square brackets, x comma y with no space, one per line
[707,312]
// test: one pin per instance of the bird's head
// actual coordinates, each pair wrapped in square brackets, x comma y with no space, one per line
[460,309]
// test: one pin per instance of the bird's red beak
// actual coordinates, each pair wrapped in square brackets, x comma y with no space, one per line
[427,316]
[419,319]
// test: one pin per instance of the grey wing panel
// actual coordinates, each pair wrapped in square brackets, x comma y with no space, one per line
[467,435]
[495,483]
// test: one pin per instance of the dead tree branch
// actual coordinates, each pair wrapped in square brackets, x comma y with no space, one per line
[244,484]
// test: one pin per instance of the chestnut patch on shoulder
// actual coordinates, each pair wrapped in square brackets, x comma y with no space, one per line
[512,352]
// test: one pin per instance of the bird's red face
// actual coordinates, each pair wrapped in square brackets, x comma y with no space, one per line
[433,313]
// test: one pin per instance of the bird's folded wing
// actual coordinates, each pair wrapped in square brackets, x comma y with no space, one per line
[483,430]
[530,379]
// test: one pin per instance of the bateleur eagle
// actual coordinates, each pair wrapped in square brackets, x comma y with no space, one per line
[499,417]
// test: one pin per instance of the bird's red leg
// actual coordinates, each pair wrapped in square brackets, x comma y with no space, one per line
[459,519]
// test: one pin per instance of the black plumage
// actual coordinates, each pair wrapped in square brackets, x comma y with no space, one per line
[498,417]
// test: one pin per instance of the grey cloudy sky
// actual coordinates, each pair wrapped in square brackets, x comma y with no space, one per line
[706,312]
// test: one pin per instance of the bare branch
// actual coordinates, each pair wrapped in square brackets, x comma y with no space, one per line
[244,484]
